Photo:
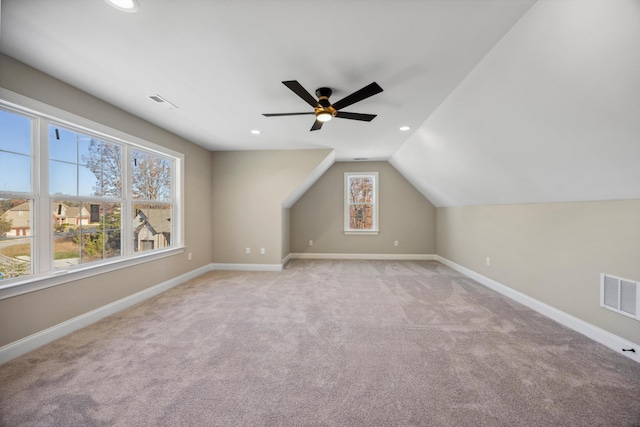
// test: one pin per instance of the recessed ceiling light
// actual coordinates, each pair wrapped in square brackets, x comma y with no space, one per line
[256,132]
[405,128]
[130,6]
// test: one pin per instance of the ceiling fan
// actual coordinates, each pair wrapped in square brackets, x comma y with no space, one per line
[324,110]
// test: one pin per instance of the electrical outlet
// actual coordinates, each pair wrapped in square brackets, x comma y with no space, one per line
[262,251]
[189,256]
[310,242]
[488,261]
[247,251]
[395,243]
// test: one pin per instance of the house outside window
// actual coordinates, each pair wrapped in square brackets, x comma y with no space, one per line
[361,203]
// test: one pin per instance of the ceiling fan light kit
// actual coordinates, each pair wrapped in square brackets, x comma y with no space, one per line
[324,116]
[322,107]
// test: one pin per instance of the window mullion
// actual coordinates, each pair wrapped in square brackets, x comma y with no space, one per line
[127,207]
[43,233]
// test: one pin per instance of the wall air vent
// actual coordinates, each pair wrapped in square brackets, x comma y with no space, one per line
[162,102]
[620,295]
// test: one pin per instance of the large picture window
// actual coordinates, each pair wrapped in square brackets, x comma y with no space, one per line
[75,194]
[361,203]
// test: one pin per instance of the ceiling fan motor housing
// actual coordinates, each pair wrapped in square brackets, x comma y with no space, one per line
[323,95]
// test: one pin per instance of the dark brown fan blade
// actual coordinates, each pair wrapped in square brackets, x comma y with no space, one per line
[357,96]
[356,116]
[317,125]
[301,92]
[287,114]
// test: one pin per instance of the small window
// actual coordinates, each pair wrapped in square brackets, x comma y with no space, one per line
[361,203]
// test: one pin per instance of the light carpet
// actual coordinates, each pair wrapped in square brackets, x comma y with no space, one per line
[324,343]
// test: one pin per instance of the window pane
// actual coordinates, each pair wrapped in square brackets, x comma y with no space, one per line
[152,226]
[361,217]
[105,219]
[361,189]
[89,183]
[63,178]
[15,238]
[84,166]
[68,217]
[84,149]
[62,144]
[16,133]
[111,168]
[66,249]
[104,160]
[112,244]
[15,172]
[151,176]
[85,232]
[92,245]
[110,214]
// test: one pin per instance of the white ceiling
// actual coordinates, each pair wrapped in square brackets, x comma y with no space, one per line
[510,101]
[222,62]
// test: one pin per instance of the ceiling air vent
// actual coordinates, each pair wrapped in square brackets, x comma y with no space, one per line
[620,295]
[162,102]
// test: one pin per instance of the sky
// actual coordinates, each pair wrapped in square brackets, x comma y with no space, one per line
[15,150]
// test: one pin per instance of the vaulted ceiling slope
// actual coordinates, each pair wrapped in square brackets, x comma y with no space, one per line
[222,62]
[551,114]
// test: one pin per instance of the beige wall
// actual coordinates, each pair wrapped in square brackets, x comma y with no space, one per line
[405,215]
[24,315]
[551,252]
[248,190]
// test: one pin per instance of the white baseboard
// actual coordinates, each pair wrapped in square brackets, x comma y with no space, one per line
[597,334]
[286,259]
[247,267]
[25,345]
[389,257]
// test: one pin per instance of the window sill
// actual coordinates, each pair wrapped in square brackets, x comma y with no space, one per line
[361,233]
[34,282]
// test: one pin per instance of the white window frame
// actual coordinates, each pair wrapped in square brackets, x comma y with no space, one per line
[376,202]
[44,275]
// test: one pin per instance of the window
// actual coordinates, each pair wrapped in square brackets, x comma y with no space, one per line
[151,189]
[16,194]
[75,194]
[85,182]
[361,203]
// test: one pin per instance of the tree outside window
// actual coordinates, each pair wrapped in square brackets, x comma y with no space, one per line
[361,203]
